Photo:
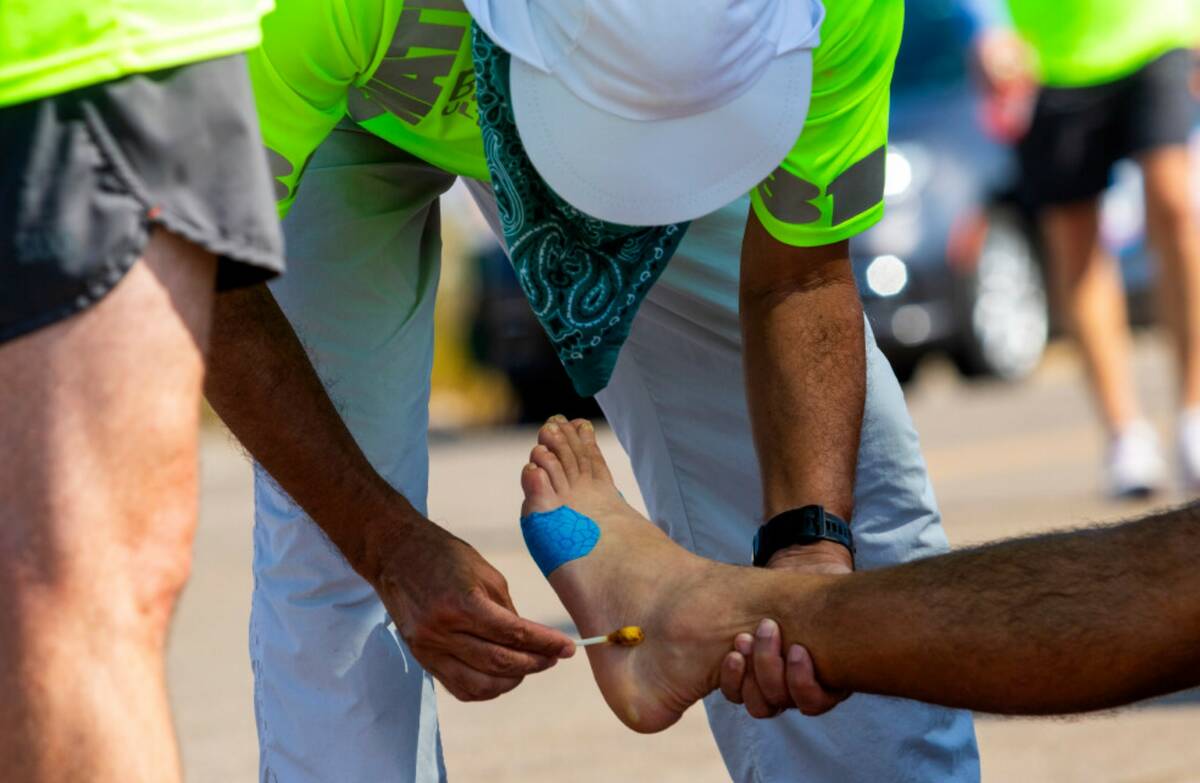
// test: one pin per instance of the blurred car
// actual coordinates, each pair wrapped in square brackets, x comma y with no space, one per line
[506,335]
[955,266]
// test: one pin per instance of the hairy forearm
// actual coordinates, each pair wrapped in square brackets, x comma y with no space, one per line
[262,384]
[805,365]
[1064,622]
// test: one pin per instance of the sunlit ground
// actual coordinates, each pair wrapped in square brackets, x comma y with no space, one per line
[1005,460]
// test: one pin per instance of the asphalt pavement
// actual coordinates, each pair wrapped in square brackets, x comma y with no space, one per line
[1006,460]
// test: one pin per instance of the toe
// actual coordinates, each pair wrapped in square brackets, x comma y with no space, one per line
[544,458]
[570,431]
[595,458]
[553,436]
[539,492]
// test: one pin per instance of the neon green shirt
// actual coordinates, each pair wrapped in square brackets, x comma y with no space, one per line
[1085,42]
[403,70]
[52,46]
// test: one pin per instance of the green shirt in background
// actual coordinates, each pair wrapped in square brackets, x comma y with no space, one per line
[52,46]
[402,69]
[1085,42]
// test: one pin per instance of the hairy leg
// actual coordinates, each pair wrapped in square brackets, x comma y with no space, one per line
[1174,232]
[1064,622]
[1088,284]
[98,491]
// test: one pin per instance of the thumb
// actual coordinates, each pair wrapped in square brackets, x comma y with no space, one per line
[503,626]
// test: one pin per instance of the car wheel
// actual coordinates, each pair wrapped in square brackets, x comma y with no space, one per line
[904,365]
[1002,305]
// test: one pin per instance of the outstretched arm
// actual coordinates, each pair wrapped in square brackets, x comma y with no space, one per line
[449,604]
[452,608]
[1058,623]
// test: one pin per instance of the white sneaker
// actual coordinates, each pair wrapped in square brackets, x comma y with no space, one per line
[1134,463]
[1189,449]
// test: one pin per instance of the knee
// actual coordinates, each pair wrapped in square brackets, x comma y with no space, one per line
[97,578]
[1072,234]
[161,567]
[1171,218]
[152,532]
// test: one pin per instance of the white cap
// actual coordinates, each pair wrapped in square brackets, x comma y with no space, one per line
[649,112]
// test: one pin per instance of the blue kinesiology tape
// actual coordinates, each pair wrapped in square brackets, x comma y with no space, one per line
[558,536]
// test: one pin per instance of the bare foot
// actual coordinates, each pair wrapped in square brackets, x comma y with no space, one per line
[634,575]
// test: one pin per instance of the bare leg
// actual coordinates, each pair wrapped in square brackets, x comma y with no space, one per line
[1175,235]
[98,490]
[1088,285]
[1087,281]
[1066,622]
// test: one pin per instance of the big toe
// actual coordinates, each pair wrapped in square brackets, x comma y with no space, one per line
[539,492]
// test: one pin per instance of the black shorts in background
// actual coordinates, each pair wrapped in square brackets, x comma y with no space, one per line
[1078,133]
[87,174]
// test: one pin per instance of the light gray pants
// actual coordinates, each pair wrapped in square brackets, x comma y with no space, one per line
[677,403]
[337,697]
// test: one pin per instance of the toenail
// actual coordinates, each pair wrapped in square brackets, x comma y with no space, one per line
[552,427]
[587,425]
[766,629]
[795,654]
[743,643]
[559,418]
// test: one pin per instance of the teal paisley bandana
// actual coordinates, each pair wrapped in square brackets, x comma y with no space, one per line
[585,278]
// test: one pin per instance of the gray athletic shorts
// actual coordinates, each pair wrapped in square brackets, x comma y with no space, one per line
[87,174]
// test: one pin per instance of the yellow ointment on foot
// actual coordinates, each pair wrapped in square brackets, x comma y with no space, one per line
[629,636]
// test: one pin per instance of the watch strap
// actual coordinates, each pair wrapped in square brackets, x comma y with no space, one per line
[800,526]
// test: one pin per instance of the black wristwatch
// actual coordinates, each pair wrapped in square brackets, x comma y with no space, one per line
[800,526]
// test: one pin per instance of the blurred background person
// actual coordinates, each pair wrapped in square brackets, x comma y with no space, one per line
[1113,81]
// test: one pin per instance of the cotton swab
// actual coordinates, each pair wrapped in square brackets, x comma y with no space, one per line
[629,636]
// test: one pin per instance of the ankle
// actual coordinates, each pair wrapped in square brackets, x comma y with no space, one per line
[1132,426]
[793,599]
